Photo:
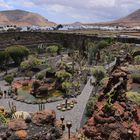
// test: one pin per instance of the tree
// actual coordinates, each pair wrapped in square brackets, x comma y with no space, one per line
[40,76]
[102,44]
[29,74]
[17,53]
[91,52]
[9,79]
[3,58]
[66,86]
[52,49]
[99,74]
[137,60]
[90,105]
[31,62]
[63,75]
[60,48]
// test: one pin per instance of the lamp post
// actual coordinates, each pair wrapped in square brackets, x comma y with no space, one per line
[66,102]
[62,120]
[130,134]
[69,125]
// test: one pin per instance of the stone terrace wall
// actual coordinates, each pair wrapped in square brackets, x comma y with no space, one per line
[32,39]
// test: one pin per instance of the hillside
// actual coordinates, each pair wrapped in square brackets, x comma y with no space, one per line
[23,18]
[132,19]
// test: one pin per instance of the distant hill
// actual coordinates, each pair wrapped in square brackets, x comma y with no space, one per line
[131,20]
[77,23]
[23,18]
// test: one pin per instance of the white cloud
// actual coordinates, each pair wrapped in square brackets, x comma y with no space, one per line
[79,10]
[28,3]
[94,10]
[5,5]
[56,8]
[101,3]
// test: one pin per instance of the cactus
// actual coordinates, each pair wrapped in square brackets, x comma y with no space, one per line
[3,119]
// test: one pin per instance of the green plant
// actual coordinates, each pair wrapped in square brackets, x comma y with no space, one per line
[3,120]
[17,53]
[66,86]
[134,96]
[4,57]
[30,63]
[29,74]
[40,76]
[90,105]
[99,73]
[63,75]
[102,44]
[137,60]
[9,78]
[108,106]
[14,74]
[91,52]
[104,80]
[52,49]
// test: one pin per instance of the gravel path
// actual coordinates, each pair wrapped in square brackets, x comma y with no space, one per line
[75,115]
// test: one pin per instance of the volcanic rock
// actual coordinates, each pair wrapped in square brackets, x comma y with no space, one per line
[21,133]
[114,116]
[44,117]
[17,124]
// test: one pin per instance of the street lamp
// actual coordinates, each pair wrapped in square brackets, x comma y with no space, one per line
[62,119]
[69,125]
[66,102]
[130,134]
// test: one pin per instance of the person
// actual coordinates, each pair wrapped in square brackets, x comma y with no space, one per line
[5,92]
[1,93]
[9,92]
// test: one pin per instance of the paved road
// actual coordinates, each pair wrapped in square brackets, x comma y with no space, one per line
[75,115]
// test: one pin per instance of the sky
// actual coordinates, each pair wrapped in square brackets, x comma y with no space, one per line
[70,11]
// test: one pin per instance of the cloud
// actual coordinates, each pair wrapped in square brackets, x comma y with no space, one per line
[90,10]
[28,3]
[77,10]
[5,5]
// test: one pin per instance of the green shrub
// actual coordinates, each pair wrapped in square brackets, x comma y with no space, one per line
[137,60]
[99,73]
[52,49]
[9,78]
[90,105]
[40,76]
[104,80]
[136,78]
[17,53]
[102,44]
[134,96]
[14,74]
